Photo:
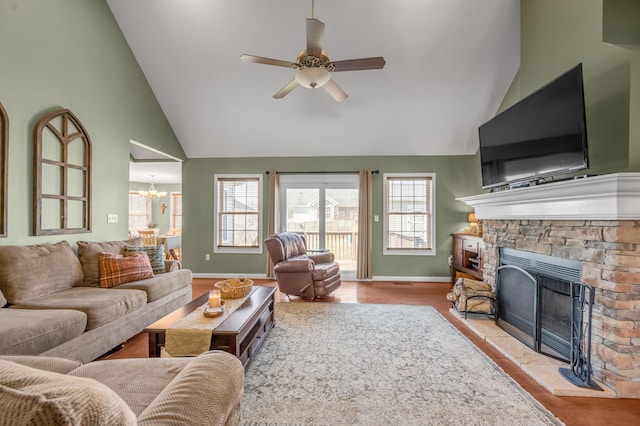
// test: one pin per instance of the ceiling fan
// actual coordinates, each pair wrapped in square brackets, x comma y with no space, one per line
[313,64]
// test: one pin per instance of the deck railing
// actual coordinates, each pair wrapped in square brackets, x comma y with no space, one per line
[341,244]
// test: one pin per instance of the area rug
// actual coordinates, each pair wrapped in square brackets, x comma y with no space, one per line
[355,364]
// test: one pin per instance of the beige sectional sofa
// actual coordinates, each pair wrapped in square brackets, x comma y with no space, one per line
[205,390]
[53,305]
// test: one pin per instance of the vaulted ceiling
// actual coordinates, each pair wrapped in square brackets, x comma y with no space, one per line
[448,65]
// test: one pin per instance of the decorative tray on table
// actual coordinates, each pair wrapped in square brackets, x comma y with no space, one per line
[214,312]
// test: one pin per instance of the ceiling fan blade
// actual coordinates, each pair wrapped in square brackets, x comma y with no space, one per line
[335,91]
[266,61]
[286,89]
[360,64]
[315,37]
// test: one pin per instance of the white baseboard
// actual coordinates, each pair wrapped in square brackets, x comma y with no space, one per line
[377,278]
[414,279]
[228,275]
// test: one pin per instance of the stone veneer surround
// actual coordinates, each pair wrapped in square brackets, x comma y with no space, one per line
[607,244]
[610,256]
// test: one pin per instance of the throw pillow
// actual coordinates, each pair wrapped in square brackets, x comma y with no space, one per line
[116,269]
[3,301]
[27,272]
[89,254]
[31,396]
[155,253]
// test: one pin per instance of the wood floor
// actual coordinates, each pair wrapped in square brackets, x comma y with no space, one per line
[572,411]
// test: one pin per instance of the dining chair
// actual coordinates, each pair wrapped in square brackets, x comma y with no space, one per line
[148,237]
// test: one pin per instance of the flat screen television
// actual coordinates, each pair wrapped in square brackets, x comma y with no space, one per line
[543,135]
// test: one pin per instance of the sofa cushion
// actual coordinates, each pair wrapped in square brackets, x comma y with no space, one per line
[116,269]
[89,254]
[101,305]
[32,396]
[47,363]
[35,331]
[27,272]
[156,256]
[190,397]
[136,381]
[161,285]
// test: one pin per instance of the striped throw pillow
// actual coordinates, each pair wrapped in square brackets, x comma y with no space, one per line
[155,253]
[116,269]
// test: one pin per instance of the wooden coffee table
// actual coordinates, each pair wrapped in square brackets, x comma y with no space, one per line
[241,334]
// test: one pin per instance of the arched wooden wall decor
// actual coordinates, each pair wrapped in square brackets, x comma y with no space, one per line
[4,163]
[62,175]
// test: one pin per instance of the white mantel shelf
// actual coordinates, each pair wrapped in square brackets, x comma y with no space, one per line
[607,197]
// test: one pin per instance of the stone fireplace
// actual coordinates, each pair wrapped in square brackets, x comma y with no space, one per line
[595,221]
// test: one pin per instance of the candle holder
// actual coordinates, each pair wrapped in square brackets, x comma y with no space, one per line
[214,299]
[215,305]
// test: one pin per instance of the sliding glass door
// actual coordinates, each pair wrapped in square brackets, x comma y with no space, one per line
[324,208]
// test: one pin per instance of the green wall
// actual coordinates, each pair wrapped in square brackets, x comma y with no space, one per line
[557,35]
[621,27]
[456,176]
[634,113]
[621,21]
[71,54]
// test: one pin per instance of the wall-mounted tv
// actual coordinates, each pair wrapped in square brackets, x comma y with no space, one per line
[543,135]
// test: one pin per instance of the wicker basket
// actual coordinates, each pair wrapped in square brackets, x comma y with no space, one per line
[234,288]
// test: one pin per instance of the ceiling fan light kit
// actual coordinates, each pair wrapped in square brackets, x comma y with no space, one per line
[312,77]
[314,66]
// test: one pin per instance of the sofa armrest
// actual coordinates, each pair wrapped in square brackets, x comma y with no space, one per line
[295,265]
[52,364]
[326,257]
[207,391]
[172,265]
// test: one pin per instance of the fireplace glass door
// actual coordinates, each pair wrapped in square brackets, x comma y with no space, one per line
[534,301]
[516,311]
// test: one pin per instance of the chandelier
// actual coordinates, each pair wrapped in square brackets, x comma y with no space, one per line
[151,194]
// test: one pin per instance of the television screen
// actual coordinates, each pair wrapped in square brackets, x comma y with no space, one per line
[543,135]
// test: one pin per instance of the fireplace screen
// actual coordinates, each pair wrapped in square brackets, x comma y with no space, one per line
[516,313]
[534,300]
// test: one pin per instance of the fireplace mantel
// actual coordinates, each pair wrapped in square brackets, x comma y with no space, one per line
[607,197]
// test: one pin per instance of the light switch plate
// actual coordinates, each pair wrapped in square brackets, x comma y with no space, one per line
[112,218]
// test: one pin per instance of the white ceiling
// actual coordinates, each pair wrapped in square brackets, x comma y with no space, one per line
[448,65]
[163,172]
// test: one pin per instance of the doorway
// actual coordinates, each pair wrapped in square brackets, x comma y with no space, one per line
[323,208]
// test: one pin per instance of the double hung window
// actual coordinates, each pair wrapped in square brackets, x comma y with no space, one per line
[238,206]
[409,213]
[176,211]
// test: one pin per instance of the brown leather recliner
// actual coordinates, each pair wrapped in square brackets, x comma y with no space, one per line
[299,273]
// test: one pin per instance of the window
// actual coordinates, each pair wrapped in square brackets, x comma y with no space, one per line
[409,213]
[238,201]
[176,211]
[139,213]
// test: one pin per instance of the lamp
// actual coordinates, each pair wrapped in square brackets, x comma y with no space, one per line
[151,194]
[473,222]
[312,77]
